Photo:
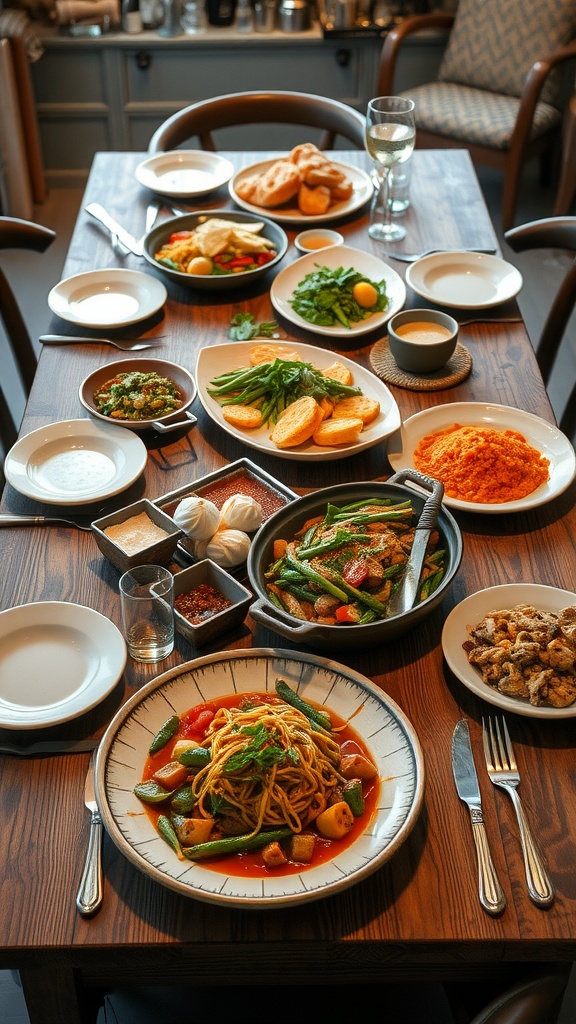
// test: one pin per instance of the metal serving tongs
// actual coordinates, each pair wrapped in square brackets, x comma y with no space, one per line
[404,597]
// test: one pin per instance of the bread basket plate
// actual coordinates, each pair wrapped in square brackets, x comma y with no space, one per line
[540,434]
[374,269]
[362,187]
[219,359]
[381,724]
[471,611]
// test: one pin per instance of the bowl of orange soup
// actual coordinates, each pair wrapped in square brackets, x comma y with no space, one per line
[422,340]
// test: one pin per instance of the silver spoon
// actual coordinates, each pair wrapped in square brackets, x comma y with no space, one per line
[122,343]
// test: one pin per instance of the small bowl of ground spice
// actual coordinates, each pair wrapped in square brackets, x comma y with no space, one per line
[208,602]
[138,534]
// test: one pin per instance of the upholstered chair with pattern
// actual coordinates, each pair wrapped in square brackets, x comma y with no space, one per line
[506,74]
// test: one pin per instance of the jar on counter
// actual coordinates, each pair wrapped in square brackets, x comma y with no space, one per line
[294,16]
[221,12]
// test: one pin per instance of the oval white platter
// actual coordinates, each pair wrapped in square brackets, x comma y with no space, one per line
[286,282]
[57,660]
[540,434]
[378,720]
[218,359]
[362,187]
[183,173]
[471,611]
[107,298]
[464,280]
[73,462]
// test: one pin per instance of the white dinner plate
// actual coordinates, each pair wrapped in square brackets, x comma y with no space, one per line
[363,190]
[182,173]
[286,282]
[471,611]
[75,461]
[464,280]
[57,660]
[218,359]
[107,298]
[380,723]
[543,436]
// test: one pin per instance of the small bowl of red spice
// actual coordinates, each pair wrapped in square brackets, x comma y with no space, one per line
[208,602]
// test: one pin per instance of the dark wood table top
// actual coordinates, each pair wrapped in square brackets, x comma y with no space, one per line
[419,913]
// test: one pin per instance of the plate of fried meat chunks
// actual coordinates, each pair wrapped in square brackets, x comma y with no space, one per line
[303,187]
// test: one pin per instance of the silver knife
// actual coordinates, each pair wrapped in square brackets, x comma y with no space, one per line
[404,597]
[89,895]
[128,240]
[490,891]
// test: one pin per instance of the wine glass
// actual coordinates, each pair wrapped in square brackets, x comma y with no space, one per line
[390,137]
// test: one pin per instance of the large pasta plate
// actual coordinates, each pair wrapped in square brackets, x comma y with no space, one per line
[217,359]
[383,727]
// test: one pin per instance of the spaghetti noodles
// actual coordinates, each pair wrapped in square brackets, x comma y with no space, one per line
[268,767]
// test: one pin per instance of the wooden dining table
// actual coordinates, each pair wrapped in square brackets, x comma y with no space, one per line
[418,916]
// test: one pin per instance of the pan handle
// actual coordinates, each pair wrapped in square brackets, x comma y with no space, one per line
[164,428]
[259,612]
[426,483]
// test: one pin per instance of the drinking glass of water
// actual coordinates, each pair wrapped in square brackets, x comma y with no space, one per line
[390,137]
[147,601]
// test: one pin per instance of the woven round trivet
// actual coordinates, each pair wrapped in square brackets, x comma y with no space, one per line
[456,369]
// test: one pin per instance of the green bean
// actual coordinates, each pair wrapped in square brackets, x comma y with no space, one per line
[234,844]
[168,730]
[314,714]
[316,577]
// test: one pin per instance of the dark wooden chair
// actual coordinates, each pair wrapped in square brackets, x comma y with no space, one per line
[200,120]
[553,233]
[17,234]
[499,92]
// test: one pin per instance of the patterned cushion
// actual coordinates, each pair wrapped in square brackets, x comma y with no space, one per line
[494,43]
[474,115]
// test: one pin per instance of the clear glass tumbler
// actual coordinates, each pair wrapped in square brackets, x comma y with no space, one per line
[147,602]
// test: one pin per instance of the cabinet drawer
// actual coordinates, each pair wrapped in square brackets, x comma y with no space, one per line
[62,76]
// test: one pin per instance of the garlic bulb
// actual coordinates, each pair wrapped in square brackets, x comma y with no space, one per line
[241,512]
[228,548]
[197,517]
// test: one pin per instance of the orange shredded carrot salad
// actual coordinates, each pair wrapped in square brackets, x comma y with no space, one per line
[479,464]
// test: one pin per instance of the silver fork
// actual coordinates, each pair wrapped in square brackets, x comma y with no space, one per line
[413,257]
[125,344]
[503,771]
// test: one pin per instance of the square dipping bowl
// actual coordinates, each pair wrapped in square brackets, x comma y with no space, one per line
[157,552]
[208,573]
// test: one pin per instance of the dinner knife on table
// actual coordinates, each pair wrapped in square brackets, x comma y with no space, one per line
[89,895]
[490,891]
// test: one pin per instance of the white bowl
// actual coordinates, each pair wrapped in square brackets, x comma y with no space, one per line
[317,238]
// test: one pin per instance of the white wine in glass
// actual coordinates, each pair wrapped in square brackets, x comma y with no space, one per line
[390,138]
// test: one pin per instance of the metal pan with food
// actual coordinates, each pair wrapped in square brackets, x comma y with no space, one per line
[215,250]
[143,394]
[325,568]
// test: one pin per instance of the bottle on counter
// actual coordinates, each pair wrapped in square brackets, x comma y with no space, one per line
[131,17]
[194,20]
[171,26]
[151,13]
[244,16]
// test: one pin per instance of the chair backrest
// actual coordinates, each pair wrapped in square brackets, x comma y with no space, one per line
[550,233]
[18,234]
[493,45]
[274,107]
[535,1000]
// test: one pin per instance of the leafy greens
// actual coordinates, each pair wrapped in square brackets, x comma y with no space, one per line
[324,297]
